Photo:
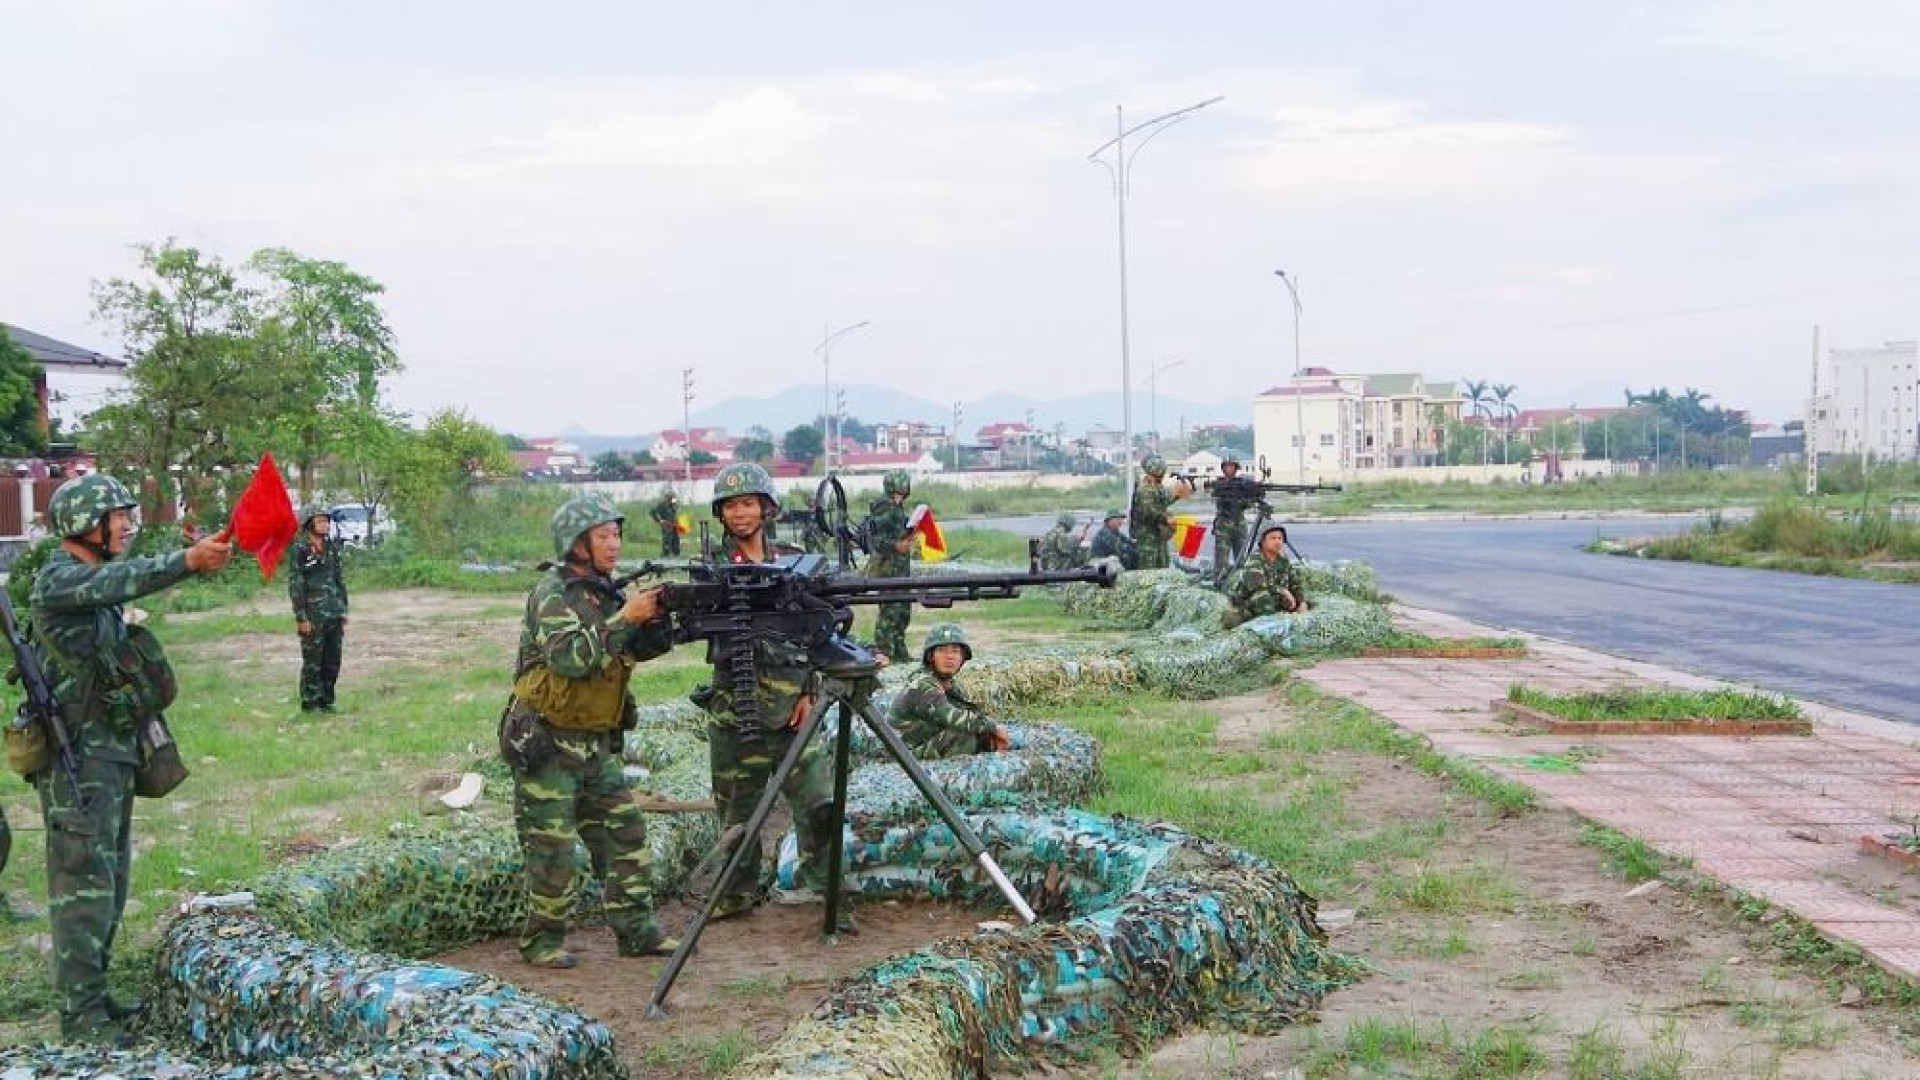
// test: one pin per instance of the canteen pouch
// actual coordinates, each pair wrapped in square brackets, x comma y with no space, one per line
[160,769]
[28,749]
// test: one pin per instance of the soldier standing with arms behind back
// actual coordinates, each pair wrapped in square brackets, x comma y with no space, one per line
[666,514]
[1152,526]
[319,594]
[892,547]
[561,736]
[1230,506]
[82,632]
[744,501]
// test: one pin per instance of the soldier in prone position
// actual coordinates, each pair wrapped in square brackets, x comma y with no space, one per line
[82,632]
[561,736]
[931,715]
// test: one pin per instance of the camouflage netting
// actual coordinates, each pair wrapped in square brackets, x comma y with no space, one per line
[1161,930]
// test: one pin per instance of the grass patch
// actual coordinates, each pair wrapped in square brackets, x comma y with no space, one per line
[1669,490]
[1626,856]
[1404,1047]
[1656,704]
[1800,536]
[1450,891]
[1404,639]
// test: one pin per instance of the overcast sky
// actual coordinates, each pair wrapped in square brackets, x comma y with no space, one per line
[569,202]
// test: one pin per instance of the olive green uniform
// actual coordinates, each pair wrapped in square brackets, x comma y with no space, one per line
[935,720]
[1060,549]
[318,590]
[1230,506]
[887,526]
[666,514]
[1151,526]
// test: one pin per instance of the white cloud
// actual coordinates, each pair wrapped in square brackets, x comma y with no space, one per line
[1879,38]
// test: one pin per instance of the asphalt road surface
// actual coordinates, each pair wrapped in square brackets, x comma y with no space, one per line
[1850,644]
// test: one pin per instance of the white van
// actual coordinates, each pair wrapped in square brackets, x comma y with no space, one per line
[355,523]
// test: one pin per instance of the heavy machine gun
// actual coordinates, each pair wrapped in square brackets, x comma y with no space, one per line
[806,603]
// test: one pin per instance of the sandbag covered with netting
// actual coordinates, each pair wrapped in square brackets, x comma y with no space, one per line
[1161,930]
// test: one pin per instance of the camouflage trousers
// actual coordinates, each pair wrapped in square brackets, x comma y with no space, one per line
[579,798]
[946,744]
[890,631]
[320,663]
[89,854]
[741,772]
[1153,551]
[669,540]
[1228,540]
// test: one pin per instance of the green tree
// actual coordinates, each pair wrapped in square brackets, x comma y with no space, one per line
[645,457]
[802,443]
[320,327]
[700,457]
[19,402]
[760,450]
[196,394]
[514,442]
[612,465]
[435,472]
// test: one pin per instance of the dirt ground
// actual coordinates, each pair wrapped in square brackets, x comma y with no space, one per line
[409,627]
[1664,975]
[749,979]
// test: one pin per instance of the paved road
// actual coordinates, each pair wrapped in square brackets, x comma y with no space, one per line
[1850,644]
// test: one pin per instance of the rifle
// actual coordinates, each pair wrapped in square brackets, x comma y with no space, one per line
[39,704]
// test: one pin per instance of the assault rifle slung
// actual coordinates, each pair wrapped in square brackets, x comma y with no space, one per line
[39,705]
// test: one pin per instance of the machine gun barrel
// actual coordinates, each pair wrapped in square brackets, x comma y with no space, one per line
[943,591]
[1249,488]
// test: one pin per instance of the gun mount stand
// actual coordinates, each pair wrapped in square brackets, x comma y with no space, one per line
[849,684]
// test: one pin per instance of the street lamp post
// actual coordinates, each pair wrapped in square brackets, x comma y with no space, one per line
[686,421]
[1299,389]
[1121,168]
[828,335]
[1153,398]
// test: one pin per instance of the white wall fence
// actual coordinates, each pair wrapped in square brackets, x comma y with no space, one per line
[1533,472]
[700,492]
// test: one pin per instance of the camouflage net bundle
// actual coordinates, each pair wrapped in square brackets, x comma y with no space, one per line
[1167,930]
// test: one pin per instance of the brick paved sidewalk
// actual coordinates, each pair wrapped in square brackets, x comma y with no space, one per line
[1776,817]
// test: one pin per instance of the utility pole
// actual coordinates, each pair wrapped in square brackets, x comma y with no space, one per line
[828,335]
[1808,447]
[958,411]
[1030,434]
[686,421]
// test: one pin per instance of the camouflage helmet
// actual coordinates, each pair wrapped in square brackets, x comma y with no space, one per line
[743,478]
[311,511]
[1113,512]
[1153,465]
[945,633]
[1231,460]
[671,497]
[898,482]
[1066,521]
[576,516]
[80,504]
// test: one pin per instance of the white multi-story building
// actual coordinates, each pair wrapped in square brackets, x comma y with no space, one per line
[1352,422]
[1872,403]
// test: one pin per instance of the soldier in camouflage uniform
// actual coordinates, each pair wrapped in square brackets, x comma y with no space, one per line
[319,595]
[1111,543]
[892,556]
[744,501]
[666,514]
[1152,522]
[561,735]
[1060,548]
[1266,584]
[929,712]
[82,634]
[1230,507]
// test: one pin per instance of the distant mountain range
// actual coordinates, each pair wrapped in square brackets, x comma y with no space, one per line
[872,404]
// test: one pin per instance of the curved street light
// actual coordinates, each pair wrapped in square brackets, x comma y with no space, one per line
[1121,171]
[828,335]
[1153,398]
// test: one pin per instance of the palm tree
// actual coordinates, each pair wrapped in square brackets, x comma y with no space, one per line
[1477,397]
[1503,399]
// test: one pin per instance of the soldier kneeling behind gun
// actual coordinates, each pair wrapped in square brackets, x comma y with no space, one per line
[931,715]
[1267,583]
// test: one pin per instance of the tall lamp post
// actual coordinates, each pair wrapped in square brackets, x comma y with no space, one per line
[1153,398]
[828,336]
[1299,389]
[686,421]
[1121,169]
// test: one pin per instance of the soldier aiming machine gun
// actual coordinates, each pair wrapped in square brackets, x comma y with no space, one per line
[1248,492]
[808,601]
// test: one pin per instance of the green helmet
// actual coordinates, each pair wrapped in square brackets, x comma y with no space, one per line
[1154,465]
[80,504]
[576,516]
[311,511]
[1066,521]
[743,478]
[898,482]
[945,633]
[1113,512]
